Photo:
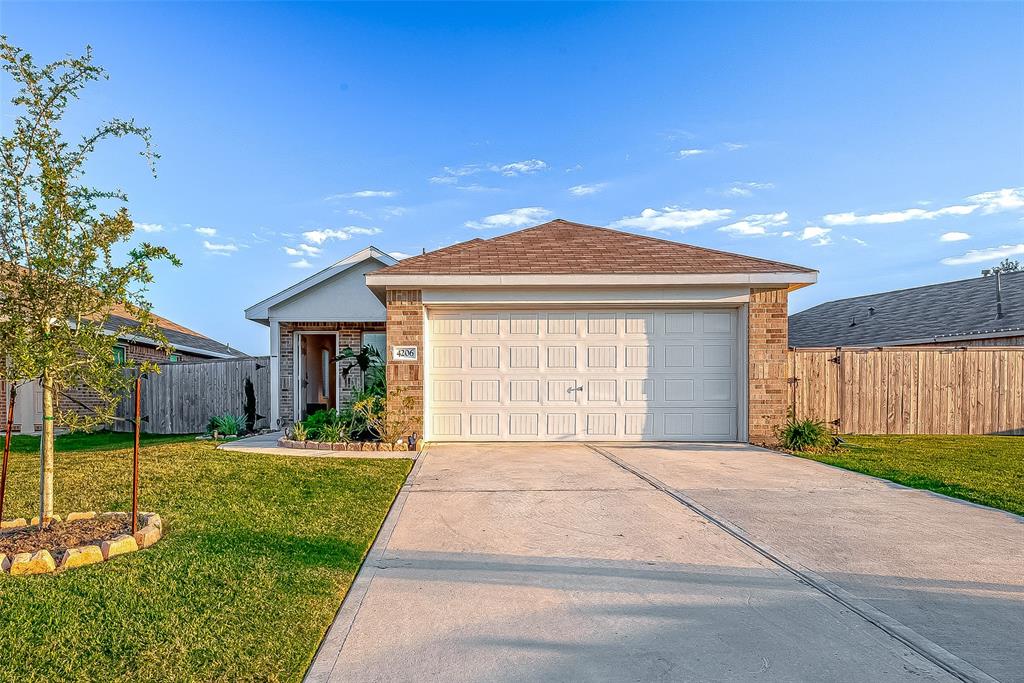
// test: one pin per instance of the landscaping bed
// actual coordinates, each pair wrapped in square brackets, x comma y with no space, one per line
[60,536]
[285,442]
[260,553]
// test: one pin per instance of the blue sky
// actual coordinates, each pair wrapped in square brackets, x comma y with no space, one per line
[881,144]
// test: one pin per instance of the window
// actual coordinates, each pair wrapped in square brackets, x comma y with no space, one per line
[120,355]
[376,340]
[173,358]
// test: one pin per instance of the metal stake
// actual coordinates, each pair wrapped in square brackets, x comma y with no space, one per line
[135,454]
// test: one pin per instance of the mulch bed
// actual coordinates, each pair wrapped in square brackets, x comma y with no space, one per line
[61,536]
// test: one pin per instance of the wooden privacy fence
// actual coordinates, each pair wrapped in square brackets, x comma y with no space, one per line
[899,390]
[184,396]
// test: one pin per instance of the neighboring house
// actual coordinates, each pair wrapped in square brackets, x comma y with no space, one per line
[982,311]
[562,331]
[188,345]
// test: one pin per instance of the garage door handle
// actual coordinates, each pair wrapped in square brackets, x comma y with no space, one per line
[575,389]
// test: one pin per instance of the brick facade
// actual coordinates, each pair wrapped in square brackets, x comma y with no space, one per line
[405,328]
[347,335]
[767,367]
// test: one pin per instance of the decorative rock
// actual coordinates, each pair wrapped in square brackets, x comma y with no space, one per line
[25,564]
[79,557]
[13,523]
[147,536]
[5,564]
[325,445]
[151,519]
[118,546]
[53,519]
[310,445]
[75,516]
[119,516]
[340,446]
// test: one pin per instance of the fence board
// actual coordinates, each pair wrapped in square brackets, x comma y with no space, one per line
[184,396]
[972,390]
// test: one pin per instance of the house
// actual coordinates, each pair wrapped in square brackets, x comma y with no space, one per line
[188,345]
[561,331]
[981,311]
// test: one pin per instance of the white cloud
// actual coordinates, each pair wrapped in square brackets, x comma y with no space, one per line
[525,167]
[821,235]
[208,232]
[757,224]
[1007,199]
[734,146]
[982,255]
[901,216]
[476,187]
[398,255]
[219,248]
[301,263]
[746,189]
[855,240]
[361,194]
[320,236]
[684,153]
[395,211]
[357,213]
[514,218]
[303,250]
[954,236]
[673,218]
[149,227]
[450,175]
[583,190]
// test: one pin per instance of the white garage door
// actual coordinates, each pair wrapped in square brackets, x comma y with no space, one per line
[662,375]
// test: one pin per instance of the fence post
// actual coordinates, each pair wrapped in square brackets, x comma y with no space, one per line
[7,447]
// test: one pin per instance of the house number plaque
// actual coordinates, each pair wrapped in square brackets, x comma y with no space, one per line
[404,353]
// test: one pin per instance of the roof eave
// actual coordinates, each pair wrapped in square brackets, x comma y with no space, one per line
[260,312]
[379,281]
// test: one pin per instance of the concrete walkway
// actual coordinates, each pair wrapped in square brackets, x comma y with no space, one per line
[558,562]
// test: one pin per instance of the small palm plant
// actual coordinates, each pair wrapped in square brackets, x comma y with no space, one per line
[802,435]
[299,432]
[227,424]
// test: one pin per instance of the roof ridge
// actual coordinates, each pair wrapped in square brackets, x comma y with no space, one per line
[651,238]
[909,289]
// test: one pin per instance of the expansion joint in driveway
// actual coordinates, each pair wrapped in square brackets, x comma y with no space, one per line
[935,654]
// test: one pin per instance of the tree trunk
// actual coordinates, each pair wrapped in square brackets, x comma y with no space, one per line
[46,454]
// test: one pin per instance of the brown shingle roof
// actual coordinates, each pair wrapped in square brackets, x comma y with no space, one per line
[563,247]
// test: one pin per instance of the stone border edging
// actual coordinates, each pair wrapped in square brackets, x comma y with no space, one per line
[43,562]
[285,442]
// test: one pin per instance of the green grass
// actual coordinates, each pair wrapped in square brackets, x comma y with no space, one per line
[81,441]
[258,552]
[982,469]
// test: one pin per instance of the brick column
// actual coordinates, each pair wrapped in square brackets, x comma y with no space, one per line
[767,367]
[405,328]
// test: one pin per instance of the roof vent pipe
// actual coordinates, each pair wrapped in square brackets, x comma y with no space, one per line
[999,295]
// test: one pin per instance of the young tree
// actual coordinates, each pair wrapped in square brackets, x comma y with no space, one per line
[1007,265]
[65,265]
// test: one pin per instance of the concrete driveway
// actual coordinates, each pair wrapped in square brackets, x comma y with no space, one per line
[697,562]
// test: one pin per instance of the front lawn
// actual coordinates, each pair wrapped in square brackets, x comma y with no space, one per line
[258,552]
[982,469]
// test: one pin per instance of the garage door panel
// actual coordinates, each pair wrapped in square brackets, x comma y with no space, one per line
[583,375]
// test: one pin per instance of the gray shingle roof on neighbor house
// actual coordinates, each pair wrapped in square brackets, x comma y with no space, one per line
[919,315]
[181,338]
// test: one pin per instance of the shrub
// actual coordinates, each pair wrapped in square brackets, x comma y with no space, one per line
[388,425]
[227,424]
[802,435]
[333,432]
[299,432]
